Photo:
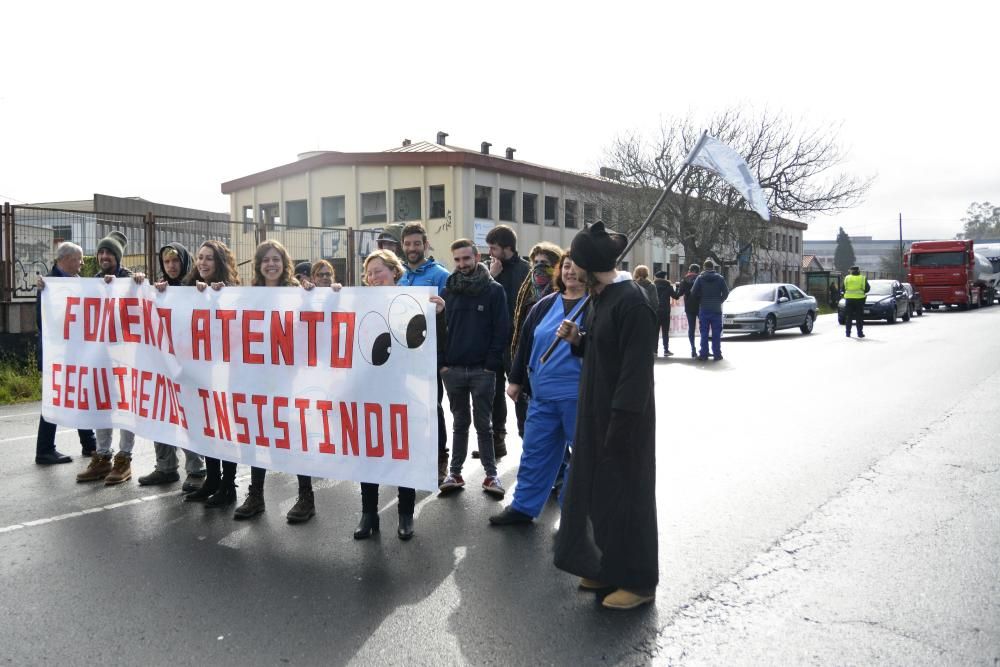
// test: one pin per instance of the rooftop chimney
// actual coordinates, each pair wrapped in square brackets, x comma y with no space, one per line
[510,153]
[484,148]
[406,142]
[441,137]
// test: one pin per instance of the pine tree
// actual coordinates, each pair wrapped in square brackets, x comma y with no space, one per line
[843,256]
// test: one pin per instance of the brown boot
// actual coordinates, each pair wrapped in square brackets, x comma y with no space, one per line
[100,466]
[252,506]
[121,470]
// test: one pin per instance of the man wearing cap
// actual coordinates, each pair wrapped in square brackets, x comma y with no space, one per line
[109,260]
[175,263]
[855,288]
[608,534]
[303,272]
[391,238]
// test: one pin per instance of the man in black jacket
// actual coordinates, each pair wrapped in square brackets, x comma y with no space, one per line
[478,331]
[664,293]
[508,269]
[691,303]
[69,259]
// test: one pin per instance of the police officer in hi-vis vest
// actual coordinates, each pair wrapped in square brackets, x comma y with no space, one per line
[855,288]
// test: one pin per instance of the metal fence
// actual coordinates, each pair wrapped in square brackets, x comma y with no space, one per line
[30,236]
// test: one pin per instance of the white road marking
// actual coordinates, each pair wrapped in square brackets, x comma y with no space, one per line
[91,510]
[35,435]
[19,414]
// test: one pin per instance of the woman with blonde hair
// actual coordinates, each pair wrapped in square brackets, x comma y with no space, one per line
[383,269]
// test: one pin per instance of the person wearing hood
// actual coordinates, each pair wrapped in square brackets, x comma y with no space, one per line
[391,239]
[664,293]
[110,250]
[175,264]
[544,257]
[508,269]
[478,332]
[423,270]
[607,533]
[711,290]
[691,304]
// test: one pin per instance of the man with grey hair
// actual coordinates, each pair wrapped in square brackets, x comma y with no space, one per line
[69,259]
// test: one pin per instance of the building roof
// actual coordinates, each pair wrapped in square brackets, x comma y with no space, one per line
[422,153]
[809,260]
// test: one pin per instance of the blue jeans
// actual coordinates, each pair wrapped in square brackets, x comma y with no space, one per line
[711,321]
[462,384]
[548,429]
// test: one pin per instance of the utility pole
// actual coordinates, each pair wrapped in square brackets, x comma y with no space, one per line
[901,275]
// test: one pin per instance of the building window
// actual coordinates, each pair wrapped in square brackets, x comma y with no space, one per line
[551,206]
[483,196]
[529,208]
[247,217]
[373,206]
[570,214]
[296,213]
[796,244]
[436,193]
[333,211]
[589,214]
[507,205]
[61,233]
[270,214]
[606,215]
[407,204]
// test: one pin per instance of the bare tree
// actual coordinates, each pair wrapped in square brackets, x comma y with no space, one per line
[797,169]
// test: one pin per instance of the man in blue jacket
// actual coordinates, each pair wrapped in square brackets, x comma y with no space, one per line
[478,330]
[423,270]
[711,290]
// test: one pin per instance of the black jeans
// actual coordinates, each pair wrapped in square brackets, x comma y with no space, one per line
[45,443]
[854,309]
[663,318]
[257,479]
[692,327]
[216,470]
[465,384]
[369,498]
[499,416]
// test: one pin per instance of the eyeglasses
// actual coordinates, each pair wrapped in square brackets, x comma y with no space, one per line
[324,275]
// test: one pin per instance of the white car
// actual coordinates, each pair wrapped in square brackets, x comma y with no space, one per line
[767,307]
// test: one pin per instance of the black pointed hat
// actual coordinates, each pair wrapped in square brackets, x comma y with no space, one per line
[597,249]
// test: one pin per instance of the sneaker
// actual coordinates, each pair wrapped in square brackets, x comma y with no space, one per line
[442,470]
[121,470]
[451,482]
[491,485]
[668,353]
[158,477]
[861,335]
[100,466]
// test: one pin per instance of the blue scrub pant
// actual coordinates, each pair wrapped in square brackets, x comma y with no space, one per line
[548,428]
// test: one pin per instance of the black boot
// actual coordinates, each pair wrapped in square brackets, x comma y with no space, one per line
[303,509]
[210,486]
[226,495]
[367,526]
[252,506]
[405,530]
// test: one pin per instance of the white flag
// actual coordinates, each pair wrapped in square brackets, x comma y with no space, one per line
[727,163]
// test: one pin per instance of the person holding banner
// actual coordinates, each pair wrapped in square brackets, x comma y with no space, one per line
[553,387]
[272,267]
[69,259]
[214,265]
[109,259]
[383,269]
[608,534]
[322,274]
[175,264]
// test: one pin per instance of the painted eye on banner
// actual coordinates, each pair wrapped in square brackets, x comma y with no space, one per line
[374,340]
[407,321]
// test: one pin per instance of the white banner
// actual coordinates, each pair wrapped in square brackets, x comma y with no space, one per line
[323,383]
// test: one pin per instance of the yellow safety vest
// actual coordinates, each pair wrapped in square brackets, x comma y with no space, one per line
[854,286]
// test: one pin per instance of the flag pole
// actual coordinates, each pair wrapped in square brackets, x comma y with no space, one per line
[638,234]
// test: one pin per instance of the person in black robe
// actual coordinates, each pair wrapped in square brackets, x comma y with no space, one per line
[608,534]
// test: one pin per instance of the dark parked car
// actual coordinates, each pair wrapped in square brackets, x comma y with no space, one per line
[916,302]
[887,300]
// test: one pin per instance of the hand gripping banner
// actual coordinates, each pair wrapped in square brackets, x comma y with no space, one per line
[322,383]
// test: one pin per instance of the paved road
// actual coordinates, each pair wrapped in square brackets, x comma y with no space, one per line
[822,500]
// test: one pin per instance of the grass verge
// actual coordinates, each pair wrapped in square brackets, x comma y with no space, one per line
[20,381]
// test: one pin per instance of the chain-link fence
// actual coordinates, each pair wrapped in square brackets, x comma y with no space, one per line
[32,234]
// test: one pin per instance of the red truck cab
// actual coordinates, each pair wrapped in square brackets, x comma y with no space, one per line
[947,274]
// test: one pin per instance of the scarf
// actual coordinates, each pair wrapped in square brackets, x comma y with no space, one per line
[541,278]
[473,285]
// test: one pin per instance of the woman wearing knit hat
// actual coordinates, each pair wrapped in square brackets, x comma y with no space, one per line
[608,534]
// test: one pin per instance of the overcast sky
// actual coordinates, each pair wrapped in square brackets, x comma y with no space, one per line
[168,103]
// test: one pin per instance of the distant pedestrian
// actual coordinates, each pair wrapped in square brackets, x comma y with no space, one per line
[665,293]
[508,269]
[391,238]
[856,287]
[478,332]
[691,304]
[641,277]
[711,290]
[69,259]
[608,534]
[834,295]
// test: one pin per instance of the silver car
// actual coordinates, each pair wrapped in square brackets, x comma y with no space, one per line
[767,307]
